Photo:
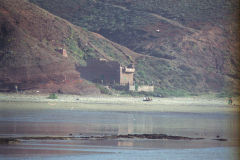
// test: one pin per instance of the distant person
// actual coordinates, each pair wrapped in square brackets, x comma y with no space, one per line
[16,88]
[230,101]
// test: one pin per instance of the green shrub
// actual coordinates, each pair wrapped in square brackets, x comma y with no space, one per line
[104,90]
[136,87]
[160,92]
[52,96]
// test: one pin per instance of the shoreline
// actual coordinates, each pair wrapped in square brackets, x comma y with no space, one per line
[119,103]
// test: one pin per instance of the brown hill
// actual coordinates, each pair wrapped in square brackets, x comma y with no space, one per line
[192,46]
[30,40]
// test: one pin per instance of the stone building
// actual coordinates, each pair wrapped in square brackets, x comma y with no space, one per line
[141,88]
[145,88]
[107,72]
[126,75]
[62,51]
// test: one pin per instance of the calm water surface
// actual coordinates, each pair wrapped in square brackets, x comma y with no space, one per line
[55,122]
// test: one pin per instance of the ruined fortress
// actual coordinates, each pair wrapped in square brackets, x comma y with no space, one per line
[62,51]
[107,72]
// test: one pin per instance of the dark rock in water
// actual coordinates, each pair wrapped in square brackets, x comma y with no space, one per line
[71,137]
[220,139]
[9,141]
[156,136]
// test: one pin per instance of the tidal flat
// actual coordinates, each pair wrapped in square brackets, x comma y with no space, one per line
[74,127]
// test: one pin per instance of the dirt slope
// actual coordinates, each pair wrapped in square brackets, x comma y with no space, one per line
[191,45]
[29,58]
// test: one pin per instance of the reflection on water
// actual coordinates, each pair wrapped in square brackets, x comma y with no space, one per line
[76,122]
[171,154]
[63,122]
[125,144]
[136,123]
[221,153]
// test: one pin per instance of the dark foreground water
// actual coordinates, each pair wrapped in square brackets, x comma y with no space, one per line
[111,153]
[28,122]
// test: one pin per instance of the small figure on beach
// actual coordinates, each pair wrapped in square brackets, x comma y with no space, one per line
[230,101]
[16,88]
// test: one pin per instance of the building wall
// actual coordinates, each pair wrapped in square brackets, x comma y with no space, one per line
[62,51]
[101,71]
[106,72]
[146,88]
[131,87]
[125,77]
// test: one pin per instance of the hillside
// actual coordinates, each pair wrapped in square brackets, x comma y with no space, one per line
[30,39]
[191,46]
[186,48]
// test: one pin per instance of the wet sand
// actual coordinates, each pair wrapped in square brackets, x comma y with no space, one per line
[115,120]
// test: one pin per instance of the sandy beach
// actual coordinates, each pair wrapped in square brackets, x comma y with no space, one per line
[109,103]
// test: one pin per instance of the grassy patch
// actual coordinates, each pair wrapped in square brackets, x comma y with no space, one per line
[74,49]
[171,92]
[52,96]
[104,90]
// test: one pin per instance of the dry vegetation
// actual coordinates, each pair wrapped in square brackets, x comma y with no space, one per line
[193,44]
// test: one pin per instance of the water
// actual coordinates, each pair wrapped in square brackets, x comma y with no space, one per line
[37,121]
[220,153]
[64,122]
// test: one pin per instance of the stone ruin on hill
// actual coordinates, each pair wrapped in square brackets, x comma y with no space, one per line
[62,51]
[107,72]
